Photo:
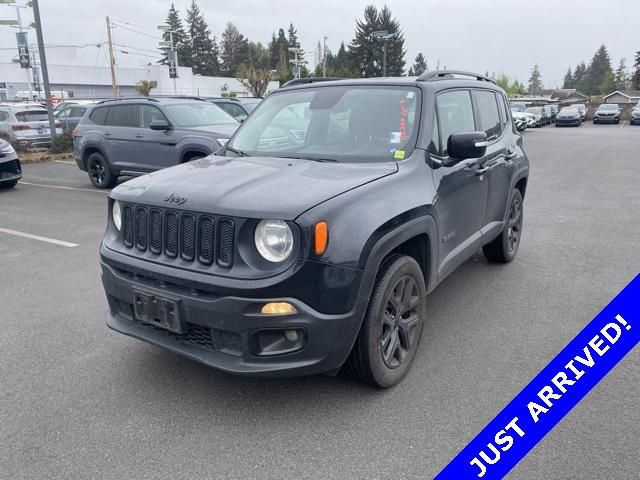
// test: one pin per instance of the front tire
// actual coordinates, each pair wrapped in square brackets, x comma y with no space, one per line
[99,171]
[504,248]
[390,334]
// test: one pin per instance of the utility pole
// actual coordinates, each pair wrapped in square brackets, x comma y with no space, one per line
[112,61]
[384,36]
[172,56]
[296,61]
[43,66]
[26,70]
[324,56]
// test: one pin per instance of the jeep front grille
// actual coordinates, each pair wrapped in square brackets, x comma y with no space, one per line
[193,237]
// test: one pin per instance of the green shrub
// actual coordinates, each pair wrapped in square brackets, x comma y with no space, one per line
[62,143]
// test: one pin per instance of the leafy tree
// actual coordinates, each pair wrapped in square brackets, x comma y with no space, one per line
[144,87]
[635,78]
[598,68]
[568,80]
[535,81]
[622,79]
[234,50]
[180,39]
[255,79]
[608,83]
[419,66]
[204,50]
[367,52]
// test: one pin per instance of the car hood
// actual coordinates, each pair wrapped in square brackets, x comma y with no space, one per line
[219,131]
[252,187]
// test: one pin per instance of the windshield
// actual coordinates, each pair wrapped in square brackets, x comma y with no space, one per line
[340,123]
[572,111]
[536,110]
[198,114]
[517,107]
[612,106]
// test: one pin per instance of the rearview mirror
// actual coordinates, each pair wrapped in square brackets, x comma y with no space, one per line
[159,125]
[462,146]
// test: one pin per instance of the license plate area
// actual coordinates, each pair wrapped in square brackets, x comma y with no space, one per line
[157,311]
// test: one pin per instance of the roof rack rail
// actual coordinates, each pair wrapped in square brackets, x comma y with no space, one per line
[117,99]
[305,80]
[179,97]
[440,74]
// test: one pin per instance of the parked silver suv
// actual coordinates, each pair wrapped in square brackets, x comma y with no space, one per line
[123,137]
[26,125]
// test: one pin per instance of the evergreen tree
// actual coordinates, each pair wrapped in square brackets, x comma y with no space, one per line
[579,77]
[635,78]
[279,51]
[363,47]
[622,79]
[180,39]
[204,50]
[598,68]
[292,39]
[367,52]
[258,56]
[419,66]
[568,80]
[608,83]
[234,50]
[535,81]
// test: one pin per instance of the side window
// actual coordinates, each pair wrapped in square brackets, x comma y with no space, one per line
[455,115]
[76,112]
[64,113]
[487,110]
[148,114]
[123,116]
[99,115]
[231,109]
[504,117]
[434,145]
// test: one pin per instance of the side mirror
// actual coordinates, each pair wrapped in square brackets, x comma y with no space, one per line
[462,146]
[159,125]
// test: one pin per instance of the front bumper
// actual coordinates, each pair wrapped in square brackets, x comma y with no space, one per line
[568,121]
[228,332]
[10,171]
[606,119]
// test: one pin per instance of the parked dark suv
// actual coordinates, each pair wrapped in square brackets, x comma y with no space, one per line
[140,135]
[304,247]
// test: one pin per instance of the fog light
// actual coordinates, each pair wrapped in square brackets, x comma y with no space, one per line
[278,308]
[291,335]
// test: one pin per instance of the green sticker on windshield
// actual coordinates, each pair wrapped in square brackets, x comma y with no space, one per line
[399,155]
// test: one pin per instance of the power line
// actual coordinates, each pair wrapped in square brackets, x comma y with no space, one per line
[137,31]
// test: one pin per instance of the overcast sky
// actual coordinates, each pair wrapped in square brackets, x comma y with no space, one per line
[481,35]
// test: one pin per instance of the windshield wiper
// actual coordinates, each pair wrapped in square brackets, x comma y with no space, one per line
[314,159]
[237,152]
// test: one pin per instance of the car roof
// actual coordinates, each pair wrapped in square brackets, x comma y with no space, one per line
[155,99]
[438,79]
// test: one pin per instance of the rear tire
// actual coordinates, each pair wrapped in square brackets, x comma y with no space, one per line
[99,171]
[390,334]
[504,248]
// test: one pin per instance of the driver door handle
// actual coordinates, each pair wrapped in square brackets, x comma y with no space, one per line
[511,154]
[483,170]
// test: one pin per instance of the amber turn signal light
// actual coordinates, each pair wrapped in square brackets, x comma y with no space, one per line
[321,238]
[278,308]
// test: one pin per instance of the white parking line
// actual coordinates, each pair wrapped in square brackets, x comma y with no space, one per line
[64,161]
[60,187]
[15,233]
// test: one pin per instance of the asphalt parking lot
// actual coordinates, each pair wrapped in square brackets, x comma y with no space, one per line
[79,401]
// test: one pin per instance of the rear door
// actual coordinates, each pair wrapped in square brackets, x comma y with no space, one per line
[120,130]
[157,147]
[496,167]
[461,193]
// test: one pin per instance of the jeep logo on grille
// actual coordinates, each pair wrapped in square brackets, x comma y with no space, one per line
[177,199]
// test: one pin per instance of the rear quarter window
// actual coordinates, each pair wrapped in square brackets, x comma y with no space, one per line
[99,115]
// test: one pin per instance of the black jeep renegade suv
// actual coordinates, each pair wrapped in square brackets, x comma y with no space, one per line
[311,240]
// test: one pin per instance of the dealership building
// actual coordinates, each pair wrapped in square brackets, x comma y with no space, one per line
[86,81]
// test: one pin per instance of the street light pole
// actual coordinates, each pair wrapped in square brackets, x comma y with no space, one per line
[43,66]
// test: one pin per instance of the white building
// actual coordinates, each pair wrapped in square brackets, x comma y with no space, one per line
[85,81]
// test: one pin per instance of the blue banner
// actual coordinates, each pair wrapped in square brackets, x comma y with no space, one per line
[553,392]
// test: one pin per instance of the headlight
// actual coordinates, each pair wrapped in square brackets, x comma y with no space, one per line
[5,147]
[116,215]
[274,240]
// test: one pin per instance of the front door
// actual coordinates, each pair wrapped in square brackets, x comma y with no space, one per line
[159,146]
[461,193]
